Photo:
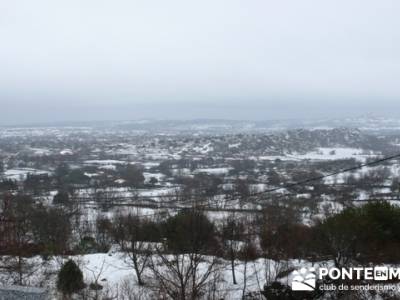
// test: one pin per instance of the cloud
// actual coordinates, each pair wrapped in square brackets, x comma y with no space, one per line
[120,54]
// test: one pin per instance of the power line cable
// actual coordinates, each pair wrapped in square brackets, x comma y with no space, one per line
[287,186]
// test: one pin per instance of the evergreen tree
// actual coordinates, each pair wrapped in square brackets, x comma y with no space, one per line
[70,278]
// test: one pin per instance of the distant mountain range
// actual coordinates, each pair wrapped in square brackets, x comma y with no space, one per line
[366,123]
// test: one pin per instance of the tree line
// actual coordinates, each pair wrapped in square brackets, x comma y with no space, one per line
[182,251]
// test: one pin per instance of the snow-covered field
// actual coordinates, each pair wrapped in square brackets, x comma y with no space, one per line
[324,153]
[114,272]
[333,154]
[214,171]
[22,173]
[169,158]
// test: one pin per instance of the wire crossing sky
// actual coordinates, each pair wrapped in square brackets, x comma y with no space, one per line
[257,59]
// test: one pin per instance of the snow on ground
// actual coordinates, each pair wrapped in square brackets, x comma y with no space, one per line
[237,145]
[120,191]
[108,167]
[148,176]
[258,188]
[150,164]
[21,173]
[124,149]
[91,214]
[334,154]
[324,153]
[114,269]
[66,152]
[160,155]
[363,195]
[271,157]
[213,171]
[330,206]
[40,151]
[180,172]
[341,178]
[385,190]
[203,149]
[158,192]
[126,192]
[90,175]
[104,162]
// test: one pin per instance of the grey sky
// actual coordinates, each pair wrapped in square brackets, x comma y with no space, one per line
[93,59]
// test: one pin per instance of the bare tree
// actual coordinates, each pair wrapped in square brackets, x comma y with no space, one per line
[19,244]
[95,285]
[183,276]
[183,265]
[127,290]
[131,232]
[232,231]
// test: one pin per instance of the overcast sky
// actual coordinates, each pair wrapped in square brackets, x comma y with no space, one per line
[76,60]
